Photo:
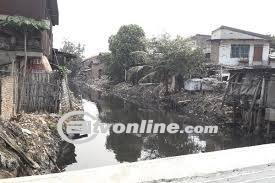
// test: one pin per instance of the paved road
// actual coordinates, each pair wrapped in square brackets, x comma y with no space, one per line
[259,174]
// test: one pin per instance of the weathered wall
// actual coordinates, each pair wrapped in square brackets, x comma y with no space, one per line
[47,43]
[215,52]
[95,72]
[6,57]
[272,64]
[225,52]
[41,92]
[28,8]
[270,93]
[36,62]
[7,98]
[202,42]
[40,42]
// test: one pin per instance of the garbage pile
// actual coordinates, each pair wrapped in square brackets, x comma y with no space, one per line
[29,144]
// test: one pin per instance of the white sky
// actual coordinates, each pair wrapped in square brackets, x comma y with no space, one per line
[91,22]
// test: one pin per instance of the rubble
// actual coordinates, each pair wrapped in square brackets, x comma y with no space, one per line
[29,145]
[193,84]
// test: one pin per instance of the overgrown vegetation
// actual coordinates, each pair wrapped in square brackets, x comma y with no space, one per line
[167,56]
[75,49]
[24,22]
[174,57]
[128,40]
[72,48]
[63,70]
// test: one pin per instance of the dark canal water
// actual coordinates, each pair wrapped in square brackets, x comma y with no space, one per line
[109,148]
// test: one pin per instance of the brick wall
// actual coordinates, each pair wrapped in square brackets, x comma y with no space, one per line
[6,95]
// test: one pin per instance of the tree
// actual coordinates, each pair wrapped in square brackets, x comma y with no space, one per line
[174,56]
[138,57]
[72,48]
[105,57]
[75,49]
[129,39]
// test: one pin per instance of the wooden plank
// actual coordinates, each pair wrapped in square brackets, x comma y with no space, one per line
[41,92]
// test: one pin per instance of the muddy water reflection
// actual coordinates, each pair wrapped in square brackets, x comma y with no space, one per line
[111,148]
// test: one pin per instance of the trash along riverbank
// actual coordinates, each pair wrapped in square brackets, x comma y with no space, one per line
[29,145]
[201,107]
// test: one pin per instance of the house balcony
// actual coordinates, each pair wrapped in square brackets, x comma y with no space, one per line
[10,44]
[32,45]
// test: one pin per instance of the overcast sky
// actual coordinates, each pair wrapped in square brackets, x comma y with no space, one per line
[91,22]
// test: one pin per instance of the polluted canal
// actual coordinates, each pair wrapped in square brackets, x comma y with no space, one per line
[110,148]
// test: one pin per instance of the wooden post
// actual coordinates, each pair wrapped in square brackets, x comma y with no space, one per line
[261,106]
[14,88]
[24,70]
[250,113]
[227,89]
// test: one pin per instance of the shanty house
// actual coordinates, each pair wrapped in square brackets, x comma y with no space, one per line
[202,42]
[236,47]
[94,66]
[39,42]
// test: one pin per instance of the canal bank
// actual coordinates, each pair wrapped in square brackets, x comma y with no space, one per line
[29,145]
[202,107]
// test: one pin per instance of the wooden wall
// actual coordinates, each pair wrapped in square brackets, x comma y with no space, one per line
[41,92]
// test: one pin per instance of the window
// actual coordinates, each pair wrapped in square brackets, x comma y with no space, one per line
[240,50]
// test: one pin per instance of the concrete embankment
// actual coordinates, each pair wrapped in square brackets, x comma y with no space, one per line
[159,170]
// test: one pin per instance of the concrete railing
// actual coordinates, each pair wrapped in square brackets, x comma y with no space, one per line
[167,168]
